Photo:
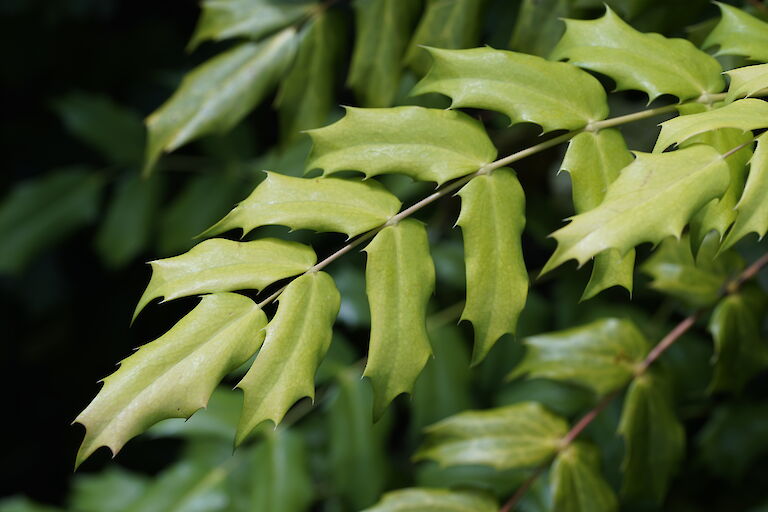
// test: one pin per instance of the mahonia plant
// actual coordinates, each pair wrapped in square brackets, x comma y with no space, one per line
[699,191]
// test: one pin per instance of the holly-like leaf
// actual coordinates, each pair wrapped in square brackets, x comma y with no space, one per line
[526,88]
[752,208]
[400,278]
[444,24]
[253,19]
[434,500]
[296,341]
[516,436]
[696,281]
[425,144]
[320,204]
[576,482]
[306,93]
[173,376]
[746,114]
[653,198]
[740,351]
[645,62]
[594,159]
[654,438]
[601,355]
[747,81]
[492,220]
[738,33]
[220,265]
[383,28]
[38,213]
[216,95]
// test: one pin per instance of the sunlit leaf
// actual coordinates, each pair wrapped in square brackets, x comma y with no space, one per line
[747,81]
[752,208]
[738,33]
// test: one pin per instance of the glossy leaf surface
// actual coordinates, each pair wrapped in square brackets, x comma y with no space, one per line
[576,482]
[752,208]
[747,81]
[739,33]
[434,500]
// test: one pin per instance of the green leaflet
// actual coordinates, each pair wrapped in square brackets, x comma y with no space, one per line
[646,62]
[320,204]
[216,95]
[220,265]
[224,19]
[654,438]
[516,436]
[653,198]
[419,499]
[720,213]
[400,278]
[277,477]
[747,81]
[444,24]
[492,220]
[556,95]
[538,26]
[601,355]
[383,30]
[173,376]
[746,114]
[576,482]
[740,351]
[594,159]
[306,93]
[738,33]
[425,144]
[752,208]
[696,281]
[296,341]
[36,214]
[111,490]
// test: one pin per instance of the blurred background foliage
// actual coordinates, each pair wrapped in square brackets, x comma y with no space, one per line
[77,224]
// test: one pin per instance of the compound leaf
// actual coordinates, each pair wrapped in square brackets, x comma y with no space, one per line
[516,436]
[173,376]
[296,341]
[420,499]
[576,482]
[220,265]
[492,220]
[320,204]
[216,95]
[526,88]
[654,438]
[738,33]
[400,278]
[444,24]
[645,62]
[744,115]
[752,208]
[654,197]
[224,19]
[601,355]
[383,28]
[746,81]
[425,144]
[594,159]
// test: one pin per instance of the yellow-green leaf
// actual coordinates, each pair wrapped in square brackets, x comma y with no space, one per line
[645,62]
[594,159]
[653,198]
[400,278]
[216,95]
[492,220]
[526,88]
[522,435]
[746,81]
[425,144]
[173,376]
[601,355]
[383,28]
[752,208]
[297,339]
[653,436]
[220,265]
[738,33]
[421,499]
[320,204]
[576,482]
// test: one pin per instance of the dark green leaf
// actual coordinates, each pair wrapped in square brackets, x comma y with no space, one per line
[577,485]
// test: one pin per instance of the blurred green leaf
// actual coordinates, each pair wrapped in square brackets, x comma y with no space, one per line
[112,490]
[577,485]
[734,438]
[23,504]
[217,420]
[434,500]
[559,397]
